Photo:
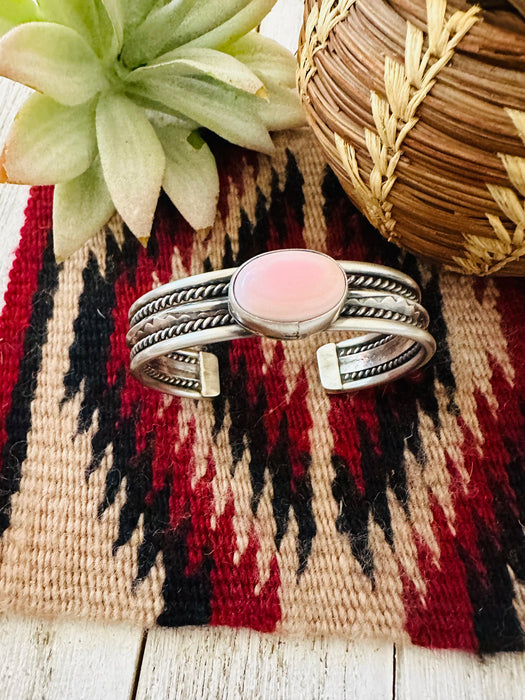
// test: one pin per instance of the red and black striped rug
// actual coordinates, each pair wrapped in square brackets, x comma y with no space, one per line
[396,513]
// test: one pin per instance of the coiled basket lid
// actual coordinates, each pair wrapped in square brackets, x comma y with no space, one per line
[420,108]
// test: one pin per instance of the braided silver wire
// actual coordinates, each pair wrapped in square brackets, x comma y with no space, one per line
[363,347]
[181,328]
[387,314]
[383,367]
[181,382]
[183,357]
[207,291]
[381,284]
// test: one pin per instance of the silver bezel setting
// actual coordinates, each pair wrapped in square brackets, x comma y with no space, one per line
[281,330]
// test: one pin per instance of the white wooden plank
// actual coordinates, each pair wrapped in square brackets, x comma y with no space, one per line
[424,673]
[201,664]
[12,198]
[284,23]
[55,661]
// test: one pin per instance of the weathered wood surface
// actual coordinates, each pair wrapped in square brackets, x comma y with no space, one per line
[229,664]
[67,660]
[424,674]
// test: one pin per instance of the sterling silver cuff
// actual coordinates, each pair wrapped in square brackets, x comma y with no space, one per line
[284,295]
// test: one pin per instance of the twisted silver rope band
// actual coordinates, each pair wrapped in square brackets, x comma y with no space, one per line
[171,325]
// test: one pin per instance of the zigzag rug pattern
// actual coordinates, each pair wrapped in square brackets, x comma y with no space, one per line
[394,514]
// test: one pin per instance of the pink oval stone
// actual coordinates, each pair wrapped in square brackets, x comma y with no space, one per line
[289,286]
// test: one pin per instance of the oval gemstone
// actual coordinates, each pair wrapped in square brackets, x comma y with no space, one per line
[287,286]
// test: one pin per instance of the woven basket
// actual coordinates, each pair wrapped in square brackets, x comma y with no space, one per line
[420,108]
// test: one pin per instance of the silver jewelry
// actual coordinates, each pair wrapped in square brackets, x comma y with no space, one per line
[171,326]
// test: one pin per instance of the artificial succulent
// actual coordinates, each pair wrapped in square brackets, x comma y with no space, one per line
[123,88]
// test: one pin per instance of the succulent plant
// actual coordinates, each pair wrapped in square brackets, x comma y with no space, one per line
[123,88]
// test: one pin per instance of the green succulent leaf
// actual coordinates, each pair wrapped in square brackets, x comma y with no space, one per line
[204,23]
[80,15]
[52,59]
[229,112]
[195,62]
[133,161]
[115,11]
[148,40]
[80,208]
[275,66]
[124,87]
[151,106]
[136,11]
[203,17]
[87,17]
[5,26]
[282,110]
[159,119]
[191,179]
[177,23]
[49,142]
[16,12]
[266,58]
[237,26]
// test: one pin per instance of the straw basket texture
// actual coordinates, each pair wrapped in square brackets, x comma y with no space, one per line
[420,108]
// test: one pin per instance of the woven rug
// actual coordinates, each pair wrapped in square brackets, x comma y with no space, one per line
[394,514]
